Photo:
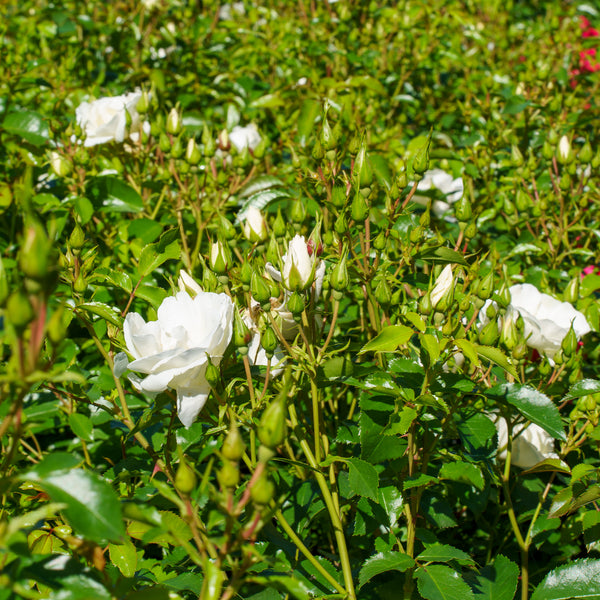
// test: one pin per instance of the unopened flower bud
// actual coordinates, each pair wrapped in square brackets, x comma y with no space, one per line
[489,334]
[298,211]
[359,209]
[60,164]
[341,224]
[229,475]
[338,196]
[58,324]
[569,343]
[35,253]
[564,153]
[296,303]
[571,293]
[219,259]
[462,209]
[317,152]
[254,225]
[192,152]
[233,446]
[143,103]
[362,171]
[586,153]
[425,307]
[269,341]
[174,123]
[442,293]
[272,428]
[259,289]
[246,273]
[80,284]
[486,286]
[327,137]
[76,239]
[516,157]
[503,296]
[164,143]
[185,478]
[241,334]
[509,336]
[421,159]
[279,226]
[262,490]
[383,293]
[19,311]
[339,278]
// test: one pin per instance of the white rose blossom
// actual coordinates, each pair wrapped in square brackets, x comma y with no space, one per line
[530,444]
[438,179]
[298,265]
[174,350]
[546,321]
[105,120]
[245,137]
[315,273]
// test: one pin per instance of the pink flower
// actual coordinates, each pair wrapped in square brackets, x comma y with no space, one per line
[591,270]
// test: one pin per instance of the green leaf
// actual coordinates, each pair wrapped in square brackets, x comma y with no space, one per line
[497,581]
[363,478]
[309,113]
[479,436]
[533,405]
[439,582]
[260,200]
[114,195]
[419,480]
[154,255]
[108,313]
[584,387]
[392,502]
[401,422]
[416,320]
[442,255]
[145,229]
[464,472]
[384,562]
[81,587]
[496,355]
[382,170]
[92,508]
[444,553]
[29,125]
[579,579]
[283,583]
[259,184]
[431,346]
[124,557]
[267,101]
[118,279]
[388,339]
[550,464]
[81,426]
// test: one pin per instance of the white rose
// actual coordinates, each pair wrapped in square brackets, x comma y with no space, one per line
[530,444]
[245,137]
[546,320]
[444,182]
[173,351]
[105,120]
[227,11]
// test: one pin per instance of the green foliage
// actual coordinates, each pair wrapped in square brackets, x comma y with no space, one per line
[176,423]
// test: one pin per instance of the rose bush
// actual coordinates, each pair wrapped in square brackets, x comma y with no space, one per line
[105,120]
[174,350]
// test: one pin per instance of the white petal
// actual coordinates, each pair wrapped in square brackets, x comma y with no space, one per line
[190,401]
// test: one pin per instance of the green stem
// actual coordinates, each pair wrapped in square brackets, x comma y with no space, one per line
[306,552]
[333,513]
